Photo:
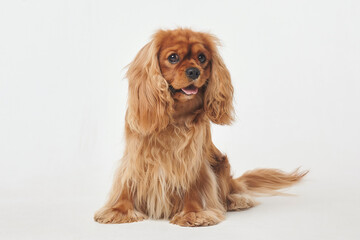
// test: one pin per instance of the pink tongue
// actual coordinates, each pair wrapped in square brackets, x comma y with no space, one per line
[190,90]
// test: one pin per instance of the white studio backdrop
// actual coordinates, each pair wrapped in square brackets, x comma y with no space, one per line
[295,69]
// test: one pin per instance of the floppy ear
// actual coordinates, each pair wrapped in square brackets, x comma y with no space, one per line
[149,100]
[218,101]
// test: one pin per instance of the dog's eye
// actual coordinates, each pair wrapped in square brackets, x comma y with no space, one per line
[173,58]
[202,58]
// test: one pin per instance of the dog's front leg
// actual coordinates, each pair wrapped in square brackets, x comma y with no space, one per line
[119,209]
[201,203]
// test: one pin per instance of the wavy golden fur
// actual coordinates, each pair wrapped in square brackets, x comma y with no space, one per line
[178,83]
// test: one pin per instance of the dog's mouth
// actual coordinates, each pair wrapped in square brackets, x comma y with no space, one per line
[189,90]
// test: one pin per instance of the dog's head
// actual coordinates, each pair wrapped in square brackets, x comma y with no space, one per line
[178,72]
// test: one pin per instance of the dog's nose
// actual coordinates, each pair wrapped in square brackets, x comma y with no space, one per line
[192,73]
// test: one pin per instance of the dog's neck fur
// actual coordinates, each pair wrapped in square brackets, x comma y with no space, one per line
[188,111]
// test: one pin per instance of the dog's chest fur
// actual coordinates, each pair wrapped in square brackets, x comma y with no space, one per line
[160,168]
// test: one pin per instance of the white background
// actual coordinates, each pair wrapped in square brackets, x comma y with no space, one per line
[295,68]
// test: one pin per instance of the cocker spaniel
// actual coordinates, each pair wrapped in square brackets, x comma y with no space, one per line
[178,84]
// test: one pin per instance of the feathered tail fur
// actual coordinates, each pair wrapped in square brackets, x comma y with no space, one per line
[267,181]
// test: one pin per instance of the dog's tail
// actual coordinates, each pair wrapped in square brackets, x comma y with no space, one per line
[267,181]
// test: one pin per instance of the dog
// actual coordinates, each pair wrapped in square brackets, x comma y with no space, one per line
[178,84]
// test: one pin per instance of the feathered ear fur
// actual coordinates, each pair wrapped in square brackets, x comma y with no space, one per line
[149,101]
[218,102]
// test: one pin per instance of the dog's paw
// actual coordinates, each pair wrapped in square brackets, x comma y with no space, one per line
[112,215]
[197,219]
[240,202]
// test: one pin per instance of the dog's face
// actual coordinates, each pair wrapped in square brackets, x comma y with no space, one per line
[178,74]
[185,63]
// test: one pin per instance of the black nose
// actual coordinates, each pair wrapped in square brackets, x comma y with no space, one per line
[192,73]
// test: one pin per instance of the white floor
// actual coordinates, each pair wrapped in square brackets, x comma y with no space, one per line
[324,208]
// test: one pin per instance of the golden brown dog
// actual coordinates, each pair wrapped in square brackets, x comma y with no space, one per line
[171,169]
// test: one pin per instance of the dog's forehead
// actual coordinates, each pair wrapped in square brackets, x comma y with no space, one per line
[183,43]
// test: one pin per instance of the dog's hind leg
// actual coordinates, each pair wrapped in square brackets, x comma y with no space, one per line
[233,193]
